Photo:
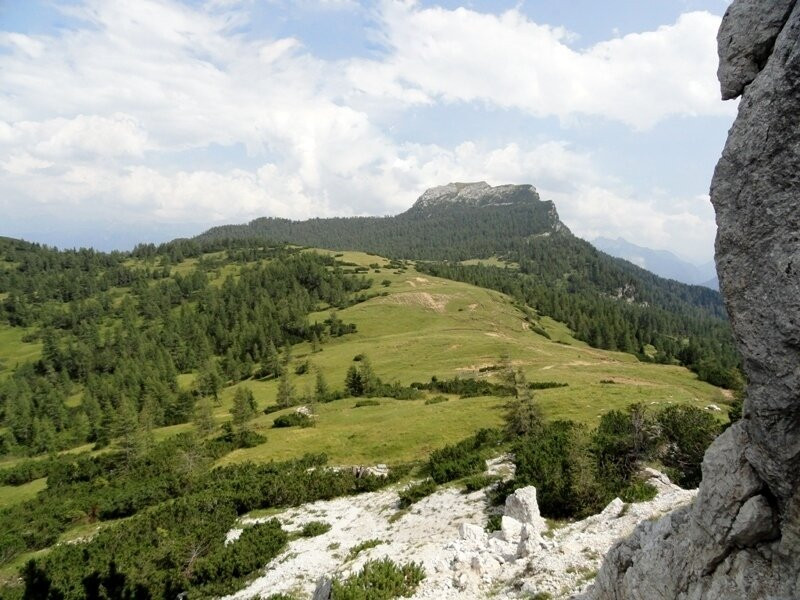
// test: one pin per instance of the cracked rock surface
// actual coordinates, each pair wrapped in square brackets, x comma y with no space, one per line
[741,537]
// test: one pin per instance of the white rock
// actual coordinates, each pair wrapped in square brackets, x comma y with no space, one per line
[472,533]
[754,523]
[486,564]
[522,506]
[613,510]
[511,530]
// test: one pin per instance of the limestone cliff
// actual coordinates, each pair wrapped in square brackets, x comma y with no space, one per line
[741,537]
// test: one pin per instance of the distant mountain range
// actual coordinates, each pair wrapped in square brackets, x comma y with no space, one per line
[661,262]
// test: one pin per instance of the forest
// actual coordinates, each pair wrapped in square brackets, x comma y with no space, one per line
[125,332]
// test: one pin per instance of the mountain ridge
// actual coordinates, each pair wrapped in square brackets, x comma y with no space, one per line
[663,263]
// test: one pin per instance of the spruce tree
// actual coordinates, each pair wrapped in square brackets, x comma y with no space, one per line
[204,416]
[244,407]
[285,395]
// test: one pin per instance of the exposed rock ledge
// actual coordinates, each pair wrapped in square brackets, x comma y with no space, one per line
[445,532]
[740,540]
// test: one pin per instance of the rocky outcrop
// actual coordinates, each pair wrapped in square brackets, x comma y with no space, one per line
[445,533]
[482,195]
[741,537]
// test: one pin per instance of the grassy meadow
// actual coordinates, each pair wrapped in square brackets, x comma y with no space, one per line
[420,327]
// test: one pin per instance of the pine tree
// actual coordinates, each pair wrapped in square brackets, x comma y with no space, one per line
[369,381]
[285,390]
[244,407]
[523,415]
[204,416]
[209,380]
[353,385]
[321,391]
[126,428]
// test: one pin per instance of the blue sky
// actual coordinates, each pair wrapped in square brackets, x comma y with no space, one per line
[123,122]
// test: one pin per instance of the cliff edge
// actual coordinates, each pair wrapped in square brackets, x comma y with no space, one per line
[740,539]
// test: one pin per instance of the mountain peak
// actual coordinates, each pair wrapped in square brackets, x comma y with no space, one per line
[476,194]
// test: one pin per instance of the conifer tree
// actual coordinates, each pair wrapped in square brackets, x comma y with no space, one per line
[285,390]
[204,416]
[244,407]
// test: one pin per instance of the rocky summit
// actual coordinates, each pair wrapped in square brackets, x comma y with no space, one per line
[741,537]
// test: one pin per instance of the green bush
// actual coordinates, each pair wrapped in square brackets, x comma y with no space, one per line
[621,442]
[315,528]
[638,491]
[558,462]
[359,548]
[415,493]
[479,482]
[257,545]
[363,403]
[436,400]
[379,580]
[688,431]
[461,459]
[294,419]
[494,523]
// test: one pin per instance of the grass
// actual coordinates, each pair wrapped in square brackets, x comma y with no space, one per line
[429,326]
[16,494]
[13,350]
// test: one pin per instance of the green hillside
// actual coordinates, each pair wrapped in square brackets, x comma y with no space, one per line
[609,303]
[139,406]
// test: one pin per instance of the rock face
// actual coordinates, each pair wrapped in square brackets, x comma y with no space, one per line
[481,195]
[741,537]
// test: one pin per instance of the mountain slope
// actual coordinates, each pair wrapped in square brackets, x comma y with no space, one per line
[661,262]
[608,302]
[453,222]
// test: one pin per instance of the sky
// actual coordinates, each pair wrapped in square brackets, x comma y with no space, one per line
[123,121]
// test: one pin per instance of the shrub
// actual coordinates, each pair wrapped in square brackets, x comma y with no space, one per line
[315,528]
[494,523]
[545,385]
[231,562]
[415,493]
[687,431]
[379,580]
[461,459]
[362,403]
[465,388]
[638,491]
[360,547]
[436,400]
[294,419]
[302,368]
[557,461]
[621,442]
[479,482]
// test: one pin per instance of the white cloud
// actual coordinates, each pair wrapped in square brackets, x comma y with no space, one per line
[507,60]
[101,116]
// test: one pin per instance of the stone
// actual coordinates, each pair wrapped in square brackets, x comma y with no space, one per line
[472,533]
[511,529]
[746,39]
[323,589]
[485,564]
[522,506]
[613,510]
[741,537]
[754,523]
